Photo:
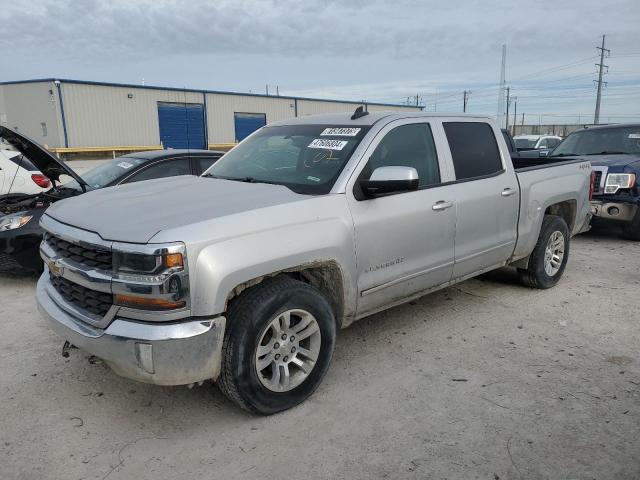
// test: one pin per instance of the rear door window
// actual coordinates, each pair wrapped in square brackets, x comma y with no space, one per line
[167,168]
[474,149]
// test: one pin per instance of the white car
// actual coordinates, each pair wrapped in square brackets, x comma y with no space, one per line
[19,175]
[536,142]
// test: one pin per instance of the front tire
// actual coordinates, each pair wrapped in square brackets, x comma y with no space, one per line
[278,345]
[549,257]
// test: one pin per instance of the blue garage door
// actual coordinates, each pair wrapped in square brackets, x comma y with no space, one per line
[181,125]
[247,123]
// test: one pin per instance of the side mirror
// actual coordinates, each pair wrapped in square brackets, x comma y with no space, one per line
[544,153]
[385,180]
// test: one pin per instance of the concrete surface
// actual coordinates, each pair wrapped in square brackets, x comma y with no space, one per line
[485,380]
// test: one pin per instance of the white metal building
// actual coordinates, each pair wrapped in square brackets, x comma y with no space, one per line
[69,115]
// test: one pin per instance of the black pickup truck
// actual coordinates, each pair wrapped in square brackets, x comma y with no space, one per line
[614,153]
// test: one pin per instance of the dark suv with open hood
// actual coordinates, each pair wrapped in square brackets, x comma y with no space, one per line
[614,153]
[20,232]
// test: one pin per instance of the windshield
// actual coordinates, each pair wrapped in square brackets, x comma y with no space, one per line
[525,142]
[108,172]
[601,141]
[305,158]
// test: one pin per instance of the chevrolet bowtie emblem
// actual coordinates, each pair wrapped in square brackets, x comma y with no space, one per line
[55,268]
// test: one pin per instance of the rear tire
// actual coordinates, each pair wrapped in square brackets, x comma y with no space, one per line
[262,371]
[549,257]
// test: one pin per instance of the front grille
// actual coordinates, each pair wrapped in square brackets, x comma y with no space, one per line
[596,181]
[92,301]
[95,257]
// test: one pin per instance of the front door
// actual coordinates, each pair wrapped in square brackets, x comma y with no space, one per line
[403,245]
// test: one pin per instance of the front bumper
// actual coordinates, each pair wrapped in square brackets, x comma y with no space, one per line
[174,353]
[612,210]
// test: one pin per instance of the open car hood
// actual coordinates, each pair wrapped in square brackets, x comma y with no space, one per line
[46,162]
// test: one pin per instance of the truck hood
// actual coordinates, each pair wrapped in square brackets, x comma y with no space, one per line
[612,160]
[46,162]
[136,212]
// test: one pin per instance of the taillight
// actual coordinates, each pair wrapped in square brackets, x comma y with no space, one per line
[41,180]
[592,185]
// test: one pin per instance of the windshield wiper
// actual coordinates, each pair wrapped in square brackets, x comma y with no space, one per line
[564,155]
[607,152]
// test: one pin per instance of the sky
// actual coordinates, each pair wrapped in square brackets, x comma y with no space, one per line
[379,51]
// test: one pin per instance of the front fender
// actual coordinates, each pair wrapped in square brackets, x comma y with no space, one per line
[225,265]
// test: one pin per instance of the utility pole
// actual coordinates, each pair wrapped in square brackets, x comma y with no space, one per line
[267,88]
[417,100]
[506,121]
[601,66]
[515,115]
[502,84]
[465,99]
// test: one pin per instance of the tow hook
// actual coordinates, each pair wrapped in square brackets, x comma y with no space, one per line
[66,347]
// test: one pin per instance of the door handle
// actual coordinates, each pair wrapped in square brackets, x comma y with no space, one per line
[507,192]
[441,205]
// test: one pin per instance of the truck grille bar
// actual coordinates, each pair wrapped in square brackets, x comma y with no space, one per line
[94,257]
[92,301]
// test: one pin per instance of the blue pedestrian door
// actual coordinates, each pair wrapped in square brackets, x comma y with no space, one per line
[247,123]
[182,125]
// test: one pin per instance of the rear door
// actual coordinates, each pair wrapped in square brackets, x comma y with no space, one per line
[487,197]
[403,245]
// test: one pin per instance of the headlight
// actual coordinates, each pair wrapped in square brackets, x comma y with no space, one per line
[616,181]
[147,264]
[11,222]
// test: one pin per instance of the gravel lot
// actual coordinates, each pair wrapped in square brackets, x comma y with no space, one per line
[484,380]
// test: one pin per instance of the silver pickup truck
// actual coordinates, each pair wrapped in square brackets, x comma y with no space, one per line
[244,275]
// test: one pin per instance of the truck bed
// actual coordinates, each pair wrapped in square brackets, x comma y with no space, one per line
[547,181]
[524,164]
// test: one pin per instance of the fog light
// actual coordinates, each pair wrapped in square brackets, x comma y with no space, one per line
[613,211]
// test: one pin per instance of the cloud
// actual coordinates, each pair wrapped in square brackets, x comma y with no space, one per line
[372,49]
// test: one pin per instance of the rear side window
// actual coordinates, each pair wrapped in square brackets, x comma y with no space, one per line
[24,162]
[473,148]
[167,168]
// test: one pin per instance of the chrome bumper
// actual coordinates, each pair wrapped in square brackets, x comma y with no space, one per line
[175,353]
[623,212]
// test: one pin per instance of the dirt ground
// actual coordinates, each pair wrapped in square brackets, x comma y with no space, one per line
[485,380]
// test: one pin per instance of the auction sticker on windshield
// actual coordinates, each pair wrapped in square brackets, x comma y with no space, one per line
[340,132]
[328,144]
[125,165]
[634,135]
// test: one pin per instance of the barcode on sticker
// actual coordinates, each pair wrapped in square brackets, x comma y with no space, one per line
[340,132]
[328,144]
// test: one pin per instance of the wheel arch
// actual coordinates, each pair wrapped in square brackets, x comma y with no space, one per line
[325,275]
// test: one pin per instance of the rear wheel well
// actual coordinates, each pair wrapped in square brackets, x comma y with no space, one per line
[565,210]
[324,276]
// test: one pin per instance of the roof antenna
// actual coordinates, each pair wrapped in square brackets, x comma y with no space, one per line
[360,112]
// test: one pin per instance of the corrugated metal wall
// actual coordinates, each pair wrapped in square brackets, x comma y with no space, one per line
[315,107]
[27,106]
[220,110]
[100,115]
